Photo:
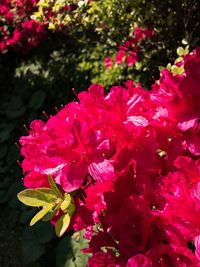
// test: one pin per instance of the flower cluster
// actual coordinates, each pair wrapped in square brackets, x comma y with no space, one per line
[126,168]
[17,30]
[59,13]
[128,51]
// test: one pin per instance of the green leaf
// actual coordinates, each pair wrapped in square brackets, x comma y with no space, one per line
[62,224]
[44,231]
[181,69]
[64,251]
[180,51]
[179,59]
[186,51]
[64,205]
[66,202]
[54,187]
[168,67]
[32,249]
[48,193]
[48,216]
[68,251]
[160,68]
[35,198]
[71,209]
[41,214]
[37,99]
[177,70]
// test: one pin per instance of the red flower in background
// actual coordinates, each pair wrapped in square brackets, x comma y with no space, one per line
[108,62]
[128,51]
[18,31]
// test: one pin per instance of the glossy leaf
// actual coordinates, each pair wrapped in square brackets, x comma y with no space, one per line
[66,202]
[47,217]
[48,192]
[54,187]
[41,214]
[35,198]
[180,51]
[62,224]
[71,209]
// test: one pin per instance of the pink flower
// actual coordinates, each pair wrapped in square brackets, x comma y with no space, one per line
[119,57]
[139,261]
[139,33]
[127,51]
[197,247]
[68,149]
[108,62]
[131,59]
[131,160]
[22,33]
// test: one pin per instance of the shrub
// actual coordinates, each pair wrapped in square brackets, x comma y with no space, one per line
[122,166]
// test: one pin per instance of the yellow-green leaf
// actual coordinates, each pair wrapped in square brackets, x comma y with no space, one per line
[41,214]
[168,67]
[62,224]
[175,69]
[160,68]
[181,69]
[64,205]
[67,197]
[186,51]
[179,59]
[71,209]
[66,202]
[180,51]
[47,217]
[49,193]
[34,198]
[54,187]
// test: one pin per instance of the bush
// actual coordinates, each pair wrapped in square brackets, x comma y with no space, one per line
[73,57]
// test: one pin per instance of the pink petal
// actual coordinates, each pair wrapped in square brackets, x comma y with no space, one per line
[139,261]
[35,180]
[138,120]
[185,125]
[54,171]
[197,247]
[71,178]
[102,171]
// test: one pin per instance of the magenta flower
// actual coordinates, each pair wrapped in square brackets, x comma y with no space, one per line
[131,59]
[128,50]
[130,161]
[119,57]
[108,62]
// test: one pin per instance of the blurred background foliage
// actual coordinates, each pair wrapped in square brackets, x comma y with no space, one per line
[43,79]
